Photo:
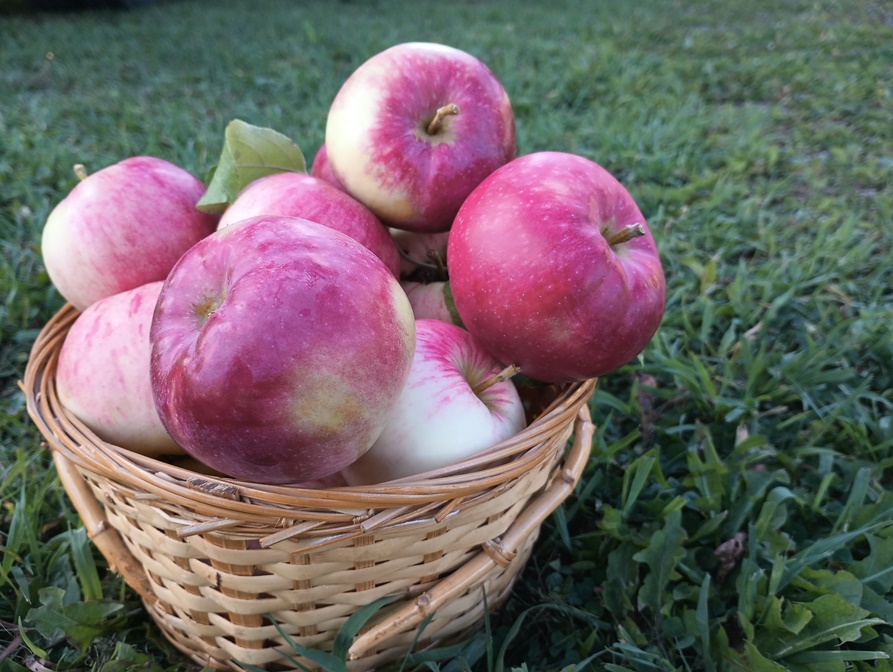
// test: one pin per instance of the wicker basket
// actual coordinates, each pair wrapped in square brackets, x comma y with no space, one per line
[222,565]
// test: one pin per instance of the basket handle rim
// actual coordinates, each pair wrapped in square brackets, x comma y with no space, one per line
[104,536]
[498,551]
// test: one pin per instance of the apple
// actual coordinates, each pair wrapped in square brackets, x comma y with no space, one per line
[421,253]
[278,348]
[322,169]
[431,301]
[414,129]
[102,376]
[553,268]
[307,197]
[122,227]
[442,416]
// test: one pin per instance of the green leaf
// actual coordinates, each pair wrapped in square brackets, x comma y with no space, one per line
[636,477]
[822,581]
[128,659]
[751,660]
[820,550]
[876,568]
[34,648]
[748,585]
[84,563]
[621,579]
[355,623]
[772,513]
[702,618]
[789,617]
[834,620]
[78,622]
[663,554]
[249,152]
[858,491]
[325,660]
[836,654]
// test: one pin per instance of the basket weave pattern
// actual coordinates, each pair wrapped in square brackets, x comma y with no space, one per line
[215,559]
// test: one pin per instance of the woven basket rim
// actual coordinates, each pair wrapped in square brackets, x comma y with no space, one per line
[466,478]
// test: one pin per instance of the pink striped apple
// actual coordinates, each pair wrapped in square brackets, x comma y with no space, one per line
[122,227]
[442,416]
[307,197]
[103,372]
[553,268]
[414,129]
[278,348]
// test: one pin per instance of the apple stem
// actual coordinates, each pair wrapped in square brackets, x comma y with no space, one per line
[80,171]
[626,234]
[505,374]
[437,121]
[437,258]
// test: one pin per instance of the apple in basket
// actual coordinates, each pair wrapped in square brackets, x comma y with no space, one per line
[431,300]
[122,227]
[278,348]
[322,169]
[301,195]
[553,268]
[102,376]
[414,129]
[452,406]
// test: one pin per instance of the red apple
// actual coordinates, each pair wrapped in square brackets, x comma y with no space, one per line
[307,197]
[553,268]
[103,372]
[122,227]
[322,169]
[414,129]
[278,348]
[440,417]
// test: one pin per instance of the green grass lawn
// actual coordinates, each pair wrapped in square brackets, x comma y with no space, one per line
[757,139]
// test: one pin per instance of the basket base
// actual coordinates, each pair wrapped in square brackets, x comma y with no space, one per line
[452,626]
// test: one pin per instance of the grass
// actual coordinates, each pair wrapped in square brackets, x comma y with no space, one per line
[737,513]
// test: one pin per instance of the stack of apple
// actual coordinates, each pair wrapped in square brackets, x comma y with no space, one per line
[360,323]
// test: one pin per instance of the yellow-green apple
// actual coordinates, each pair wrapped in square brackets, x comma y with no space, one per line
[442,415]
[122,227]
[431,300]
[307,197]
[103,372]
[553,268]
[421,253]
[322,169]
[414,129]
[278,348]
